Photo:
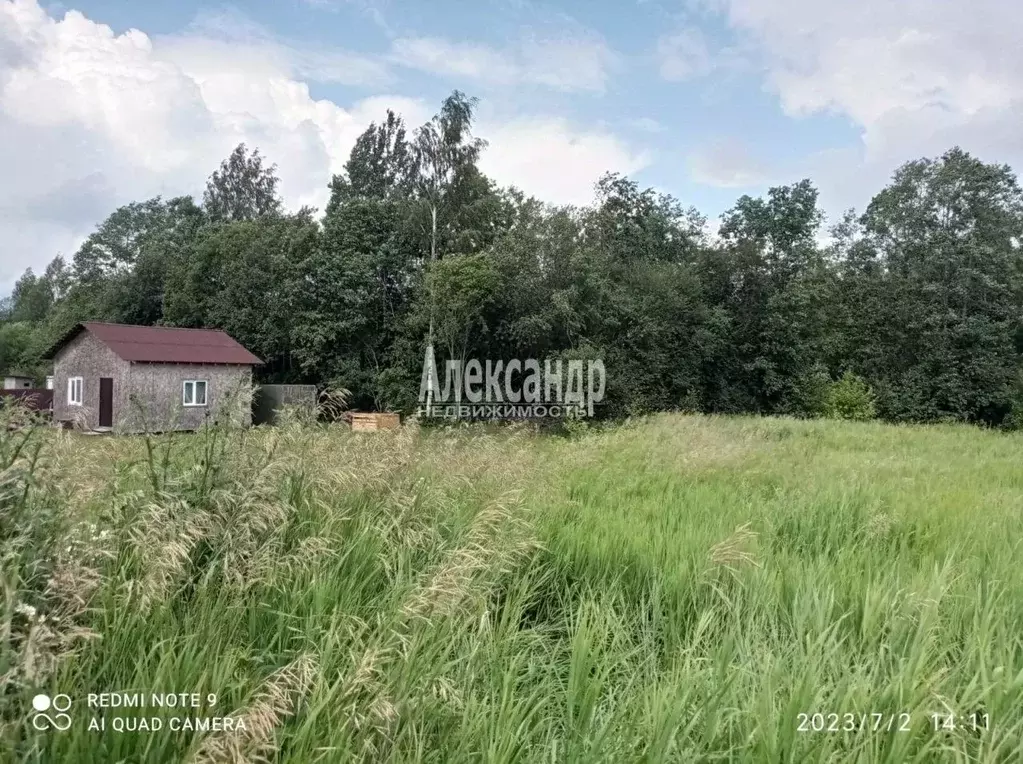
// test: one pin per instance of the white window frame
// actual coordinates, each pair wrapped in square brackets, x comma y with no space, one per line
[71,385]
[195,386]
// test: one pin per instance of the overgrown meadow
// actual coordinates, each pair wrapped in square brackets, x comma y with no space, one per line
[677,588]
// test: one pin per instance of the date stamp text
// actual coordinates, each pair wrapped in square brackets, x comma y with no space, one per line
[854,722]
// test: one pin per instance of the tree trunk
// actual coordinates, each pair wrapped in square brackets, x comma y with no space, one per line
[429,337]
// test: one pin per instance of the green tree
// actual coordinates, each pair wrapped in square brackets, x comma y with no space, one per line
[120,272]
[948,233]
[464,286]
[15,343]
[444,177]
[358,284]
[631,223]
[116,244]
[548,286]
[244,278]
[380,164]
[354,296]
[772,281]
[782,227]
[32,298]
[641,301]
[242,189]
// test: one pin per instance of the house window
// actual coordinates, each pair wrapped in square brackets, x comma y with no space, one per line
[74,391]
[193,392]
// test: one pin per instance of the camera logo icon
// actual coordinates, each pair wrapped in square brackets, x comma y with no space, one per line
[59,721]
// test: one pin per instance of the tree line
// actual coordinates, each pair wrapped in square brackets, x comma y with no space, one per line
[914,305]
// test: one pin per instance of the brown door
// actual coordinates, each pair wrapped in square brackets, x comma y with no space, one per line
[106,402]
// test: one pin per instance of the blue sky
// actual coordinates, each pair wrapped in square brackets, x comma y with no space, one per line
[672,119]
[105,101]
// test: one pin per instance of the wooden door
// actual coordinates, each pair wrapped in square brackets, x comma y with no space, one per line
[106,402]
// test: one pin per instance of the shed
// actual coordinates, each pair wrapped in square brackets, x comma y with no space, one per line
[18,382]
[135,378]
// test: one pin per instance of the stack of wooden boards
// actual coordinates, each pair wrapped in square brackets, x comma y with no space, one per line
[368,422]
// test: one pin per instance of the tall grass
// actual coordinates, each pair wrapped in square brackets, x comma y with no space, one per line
[676,589]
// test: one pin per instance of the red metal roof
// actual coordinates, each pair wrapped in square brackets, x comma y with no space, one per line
[164,344]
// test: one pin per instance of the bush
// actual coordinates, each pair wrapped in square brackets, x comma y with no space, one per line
[850,398]
[575,424]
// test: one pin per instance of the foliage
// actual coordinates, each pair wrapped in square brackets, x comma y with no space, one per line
[948,232]
[242,277]
[813,392]
[242,189]
[920,296]
[379,166]
[15,340]
[849,397]
[1014,421]
[462,286]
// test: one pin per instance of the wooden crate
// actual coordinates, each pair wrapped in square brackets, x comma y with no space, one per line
[368,422]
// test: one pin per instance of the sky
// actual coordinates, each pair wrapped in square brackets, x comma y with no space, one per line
[103,102]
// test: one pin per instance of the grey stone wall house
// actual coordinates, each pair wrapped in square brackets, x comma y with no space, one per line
[134,378]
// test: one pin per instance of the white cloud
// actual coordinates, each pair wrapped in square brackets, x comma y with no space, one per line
[727,163]
[455,59]
[580,61]
[233,40]
[90,120]
[916,77]
[548,158]
[868,58]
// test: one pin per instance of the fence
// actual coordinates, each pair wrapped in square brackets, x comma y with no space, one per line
[34,398]
[268,400]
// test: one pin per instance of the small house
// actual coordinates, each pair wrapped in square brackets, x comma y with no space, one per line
[156,378]
[17,382]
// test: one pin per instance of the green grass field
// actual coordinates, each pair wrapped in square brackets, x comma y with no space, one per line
[675,589]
